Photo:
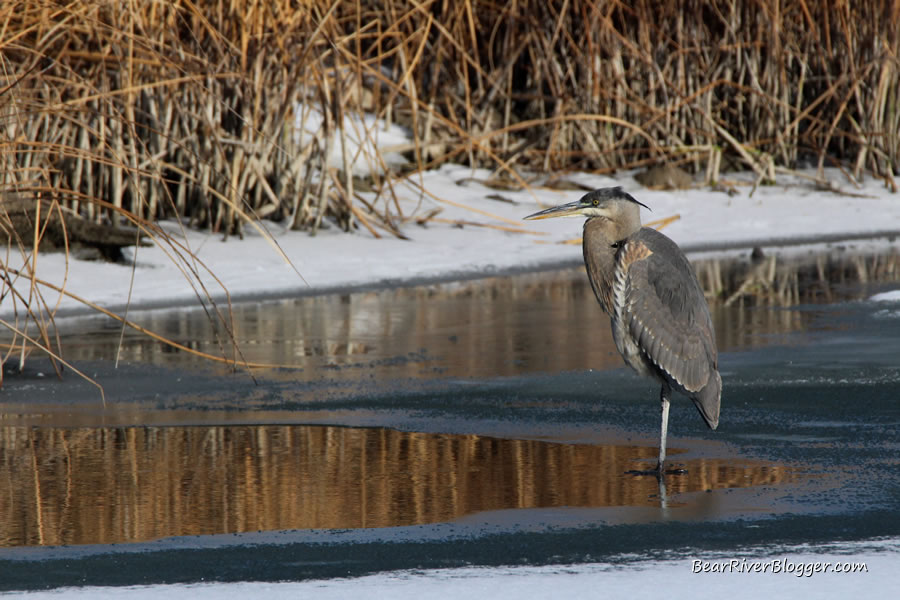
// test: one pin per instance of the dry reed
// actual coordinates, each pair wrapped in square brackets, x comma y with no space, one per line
[189,109]
[127,112]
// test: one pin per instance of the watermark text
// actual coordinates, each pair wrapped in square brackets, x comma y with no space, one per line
[776,566]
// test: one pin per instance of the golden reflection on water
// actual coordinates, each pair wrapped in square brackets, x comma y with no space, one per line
[110,485]
[537,322]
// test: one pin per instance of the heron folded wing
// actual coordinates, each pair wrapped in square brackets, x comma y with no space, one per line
[666,314]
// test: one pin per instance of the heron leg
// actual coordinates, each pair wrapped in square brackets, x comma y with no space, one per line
[664,394]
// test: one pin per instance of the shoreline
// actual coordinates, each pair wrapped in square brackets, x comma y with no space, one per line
[476,237]
[790,247]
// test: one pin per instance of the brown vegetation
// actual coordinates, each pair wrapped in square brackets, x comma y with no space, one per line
[126,112]
[164,109]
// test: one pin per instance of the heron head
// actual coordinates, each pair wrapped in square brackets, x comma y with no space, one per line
[613,203]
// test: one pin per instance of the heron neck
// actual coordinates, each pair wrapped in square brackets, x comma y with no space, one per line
[600,259]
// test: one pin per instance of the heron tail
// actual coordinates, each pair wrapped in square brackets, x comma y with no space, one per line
[708,400]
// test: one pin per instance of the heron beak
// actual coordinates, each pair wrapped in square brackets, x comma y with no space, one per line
[572,209]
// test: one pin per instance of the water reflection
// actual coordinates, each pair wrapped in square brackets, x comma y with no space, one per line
[106,485]
[770,280]
[499,326]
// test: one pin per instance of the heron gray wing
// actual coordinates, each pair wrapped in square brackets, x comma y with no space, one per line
[665,312]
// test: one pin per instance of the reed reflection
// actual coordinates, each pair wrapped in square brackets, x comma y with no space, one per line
[539,322]
[107,485]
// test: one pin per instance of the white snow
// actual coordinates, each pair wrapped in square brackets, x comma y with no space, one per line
[798,571]
[253,267]
[371,144]
[891,296]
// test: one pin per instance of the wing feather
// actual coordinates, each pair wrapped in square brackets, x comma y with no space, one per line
[665,311]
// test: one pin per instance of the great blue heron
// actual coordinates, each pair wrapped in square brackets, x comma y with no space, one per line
[660,319]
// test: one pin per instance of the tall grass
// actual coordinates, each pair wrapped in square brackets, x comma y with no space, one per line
[127,112]
[188,109]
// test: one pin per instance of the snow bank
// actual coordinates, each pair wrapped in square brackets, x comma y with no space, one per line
[479,230]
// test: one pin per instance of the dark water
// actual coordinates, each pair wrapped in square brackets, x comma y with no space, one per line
[500,402]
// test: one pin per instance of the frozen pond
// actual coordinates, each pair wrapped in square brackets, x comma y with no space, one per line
[482,422]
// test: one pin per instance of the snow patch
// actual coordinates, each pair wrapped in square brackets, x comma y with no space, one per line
[891,296]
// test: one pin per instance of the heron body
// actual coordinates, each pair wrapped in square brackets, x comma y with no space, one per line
[660,320]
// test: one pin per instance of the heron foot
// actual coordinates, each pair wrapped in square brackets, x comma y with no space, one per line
[662,470]
[657,472]
[643,473]
[676,471]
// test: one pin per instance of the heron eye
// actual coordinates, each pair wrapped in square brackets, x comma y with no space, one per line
[595,202]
